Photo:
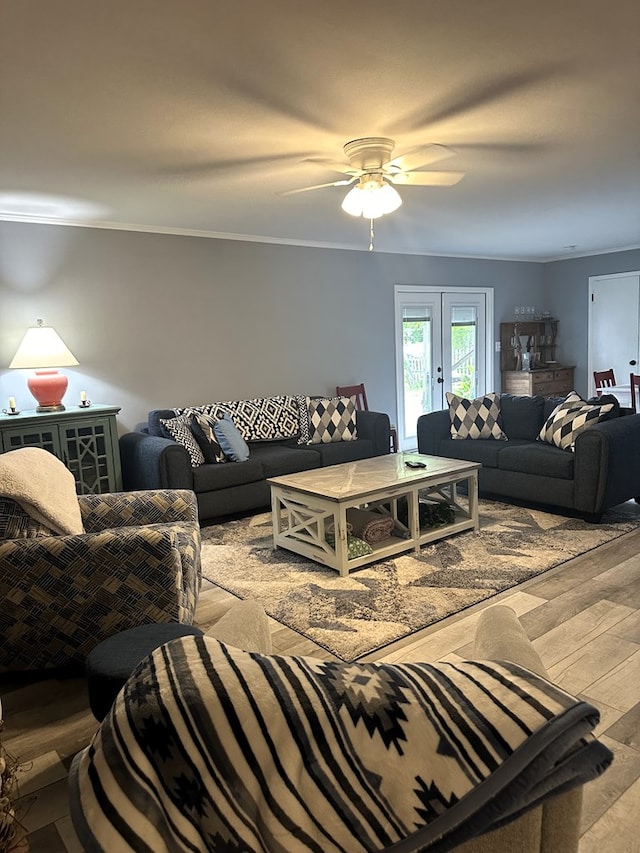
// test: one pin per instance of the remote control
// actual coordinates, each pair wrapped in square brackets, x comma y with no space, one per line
[411,463]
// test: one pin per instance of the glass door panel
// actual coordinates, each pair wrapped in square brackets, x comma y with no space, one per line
[464,348]
[419,326]
[441,345]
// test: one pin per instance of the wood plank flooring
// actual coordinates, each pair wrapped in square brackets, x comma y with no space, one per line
[584,618]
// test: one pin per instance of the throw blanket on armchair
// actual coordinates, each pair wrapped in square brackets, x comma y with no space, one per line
[43,486]
[211,748]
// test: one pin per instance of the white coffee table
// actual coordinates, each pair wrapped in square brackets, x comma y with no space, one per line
[307,506]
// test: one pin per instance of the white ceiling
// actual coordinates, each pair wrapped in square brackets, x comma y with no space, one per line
[190,116]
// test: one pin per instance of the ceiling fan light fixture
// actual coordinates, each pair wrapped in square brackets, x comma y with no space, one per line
[371,198]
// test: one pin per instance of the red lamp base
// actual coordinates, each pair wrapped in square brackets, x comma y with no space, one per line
[48,386]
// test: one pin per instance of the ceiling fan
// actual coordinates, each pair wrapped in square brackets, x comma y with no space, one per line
[371,165]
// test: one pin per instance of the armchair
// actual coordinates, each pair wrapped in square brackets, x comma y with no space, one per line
[138,561]
[269,752]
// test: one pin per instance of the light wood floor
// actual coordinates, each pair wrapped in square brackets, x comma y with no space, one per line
[584,617]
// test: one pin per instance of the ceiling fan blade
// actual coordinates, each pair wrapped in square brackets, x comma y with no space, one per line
[335,165]
[230,165]
[473,97]
[427,179]
[344,183]
[425,155]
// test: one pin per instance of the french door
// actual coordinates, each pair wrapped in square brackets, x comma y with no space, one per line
[443,343]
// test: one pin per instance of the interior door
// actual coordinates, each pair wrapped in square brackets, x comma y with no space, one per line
[442,344]
[614,325]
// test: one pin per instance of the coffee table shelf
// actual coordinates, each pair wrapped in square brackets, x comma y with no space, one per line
[309,505]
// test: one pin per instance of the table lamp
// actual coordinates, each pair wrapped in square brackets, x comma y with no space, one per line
[43,350]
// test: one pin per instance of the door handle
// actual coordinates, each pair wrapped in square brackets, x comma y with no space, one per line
[633,362]
[440,380]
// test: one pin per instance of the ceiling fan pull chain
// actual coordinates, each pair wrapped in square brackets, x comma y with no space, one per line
[371,236]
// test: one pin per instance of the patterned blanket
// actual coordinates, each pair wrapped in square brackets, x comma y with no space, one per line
[211,748]
[261,419]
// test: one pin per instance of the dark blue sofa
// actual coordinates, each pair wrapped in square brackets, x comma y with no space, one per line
[603,471]
[150,461]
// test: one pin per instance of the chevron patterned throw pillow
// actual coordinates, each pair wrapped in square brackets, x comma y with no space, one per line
[478,418]
[569,419]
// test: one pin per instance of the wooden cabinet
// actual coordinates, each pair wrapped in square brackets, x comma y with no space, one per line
[555,382]
[536,339]
[527,359]
[86,440]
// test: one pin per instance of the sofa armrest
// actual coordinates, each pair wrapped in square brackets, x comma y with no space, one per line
[151,462]
[376,427]
[245,625]
[432,429]
[500,636]
[555,825]
[131,509]
[64,594]
[607,464]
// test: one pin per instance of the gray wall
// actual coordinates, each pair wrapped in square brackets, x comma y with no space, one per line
[567,295]
[159,320]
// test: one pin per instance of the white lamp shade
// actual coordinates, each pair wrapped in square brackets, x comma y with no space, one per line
[353,202]
[42,346]
[371,199]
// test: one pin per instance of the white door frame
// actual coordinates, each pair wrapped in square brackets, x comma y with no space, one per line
[591,361]
[431,290]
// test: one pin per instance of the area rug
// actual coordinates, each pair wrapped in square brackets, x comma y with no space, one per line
[381,603]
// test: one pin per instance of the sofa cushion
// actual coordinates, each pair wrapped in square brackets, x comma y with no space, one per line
[521,416]
[569,419]
[202,427]
[344,451]
[537,458]
[332,419]
[153,422]
[210,478]
[483,450]
[550,405]
[179,429]
[230,440]
[278,459]
[473,419]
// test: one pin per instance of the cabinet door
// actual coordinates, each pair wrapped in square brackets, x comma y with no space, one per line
[87,448]
[46,437]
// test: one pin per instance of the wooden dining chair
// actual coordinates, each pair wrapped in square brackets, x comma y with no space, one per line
[634,381]
[603,379]
[360,395]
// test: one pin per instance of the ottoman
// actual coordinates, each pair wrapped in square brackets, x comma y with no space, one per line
[113,660]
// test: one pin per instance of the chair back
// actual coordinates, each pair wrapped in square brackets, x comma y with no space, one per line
[360,395]
[604,378]
[356,391]
[634,380]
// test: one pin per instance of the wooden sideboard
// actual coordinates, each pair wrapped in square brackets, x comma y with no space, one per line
[547,381]
[86,440]
[533,343]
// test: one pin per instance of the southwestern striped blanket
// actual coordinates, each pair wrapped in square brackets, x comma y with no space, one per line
[211,748]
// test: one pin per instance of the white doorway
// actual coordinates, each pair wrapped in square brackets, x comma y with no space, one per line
[443,343]
[614,325]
